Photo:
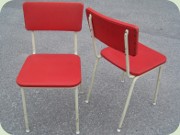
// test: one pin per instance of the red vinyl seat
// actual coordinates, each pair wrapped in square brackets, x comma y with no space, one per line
[146,59]
[123,50]
[51,70]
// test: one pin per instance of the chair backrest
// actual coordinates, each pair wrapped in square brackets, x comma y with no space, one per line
[111,32]
[65,16]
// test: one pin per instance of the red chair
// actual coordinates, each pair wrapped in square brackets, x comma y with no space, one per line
[51,70]
[124,51]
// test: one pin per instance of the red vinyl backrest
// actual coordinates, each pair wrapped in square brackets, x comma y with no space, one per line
[66,16]
[111,32]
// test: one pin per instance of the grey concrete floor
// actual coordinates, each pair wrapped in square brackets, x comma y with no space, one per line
[51,112]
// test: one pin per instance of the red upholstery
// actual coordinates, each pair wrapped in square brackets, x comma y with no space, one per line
[53,16]
[144,61]
[50,70]
[111,32]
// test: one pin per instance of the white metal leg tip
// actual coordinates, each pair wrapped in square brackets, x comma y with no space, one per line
[77,132]
[154,103]
[118,130]
[87,101]
[27,130]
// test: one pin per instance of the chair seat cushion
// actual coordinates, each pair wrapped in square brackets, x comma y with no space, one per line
[146,59]
[50,70]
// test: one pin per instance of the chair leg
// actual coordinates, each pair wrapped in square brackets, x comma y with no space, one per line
[157,85]
[25,110]
[92,80]
[123,76]
[127,103]
[77,110]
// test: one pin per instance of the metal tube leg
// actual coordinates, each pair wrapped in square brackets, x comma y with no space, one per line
[77,110]
[127,103]
[123,76]
[25,110]
[157,86]
[92,80]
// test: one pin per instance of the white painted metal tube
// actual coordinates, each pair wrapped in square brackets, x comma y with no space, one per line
[75,43]
[77,110]
[25,110]
[93,38]
[157,85]
[127,51]
[33,43]
[127,103]
[92,79]
[95,49]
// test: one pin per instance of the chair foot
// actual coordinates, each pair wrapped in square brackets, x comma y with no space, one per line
[87,101]
[27,130]
[118,130]
[154,103]
[77,132]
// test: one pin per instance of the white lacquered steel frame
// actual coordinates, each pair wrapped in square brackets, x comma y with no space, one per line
[76,89]
[127,73]
[97,55]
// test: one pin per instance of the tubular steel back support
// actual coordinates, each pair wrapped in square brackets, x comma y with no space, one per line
[53,16]
[75,43]
[124,39]
[111,32]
